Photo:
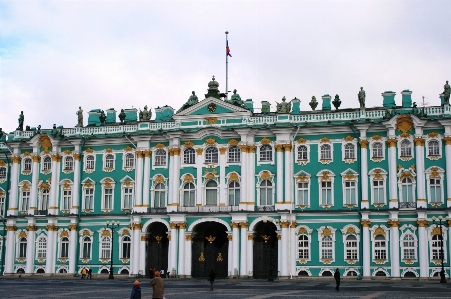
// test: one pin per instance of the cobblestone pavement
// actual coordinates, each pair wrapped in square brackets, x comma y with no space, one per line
[51,287]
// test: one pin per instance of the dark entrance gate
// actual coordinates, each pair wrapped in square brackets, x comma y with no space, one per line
[265,251]
[210,250]
[157,247]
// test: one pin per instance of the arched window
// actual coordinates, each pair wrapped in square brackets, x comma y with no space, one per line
[234,193]
[22,252]
[69,163]
[3,173]
[380,248]
[160,157]
[87,244]
[109,161]
[351,247]
[406,149]
[27,164]
[303,247]
[128,198]
[105,246]
[64,250]
[47,164]
[377,150]
[126,244]
[266,153]
[406,190]
[436,247]
[436,190]
[211,155]
[234,154]
[41,248]
[211,193]
[326,248]
[302,153]
[44,202]
[408,247]
[129,160]
[378,191]
[302,194]
[189,156]
[433,148]
[90,162]
[349,151]
[189,195]
[266,193]
[326,153]
[160,196]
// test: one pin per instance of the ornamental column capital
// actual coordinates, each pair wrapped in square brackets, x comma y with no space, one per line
[447,140]
[284,224]
[11,228]
[139,154]
[419,141]
[393,223]
[173,225]
[365,223]
[175,151]
[73,226]
[243,224]
[32,228]
[287,147]
[252,148]
[181,225]
[363,143]
[293,224]
[136,226]
[279,147]
[36,158]
[392,142]
[244,148]
[147,153]
[235,225]
[199,151]
[51,227]
[16,159]
[422,223]
[222,150]
[77,156]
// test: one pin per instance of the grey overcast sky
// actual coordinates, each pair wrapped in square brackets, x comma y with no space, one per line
[58,55]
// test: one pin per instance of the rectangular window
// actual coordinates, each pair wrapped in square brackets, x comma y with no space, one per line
[378,192]
[41,250]
[22,249]
[350,192]
[86,250]
[106,250]
[302,194]
[326,252]
[108,199]
[89,198]
[2,205]
[64,249]
[128,198]
[25,200]
[67,196]
[407,195]
[326,193]
[436,190]
[188,198]
[351,250]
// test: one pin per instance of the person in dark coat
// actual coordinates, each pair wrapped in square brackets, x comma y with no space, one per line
[89,274]
[212,277]
[337,279]
[136,291]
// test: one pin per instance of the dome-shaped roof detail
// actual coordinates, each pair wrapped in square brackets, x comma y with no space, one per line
[213,84]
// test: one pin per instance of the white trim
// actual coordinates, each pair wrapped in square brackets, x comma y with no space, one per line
[124,160]
[302,162]
[104,166]
[331,179]
[273,150]
[371,144]
[22,165]
[384,175]
[131,182]
[85,157]
[162,166]
[441,177]
[444,240]
[414,184]
[83,194]
[273,187]
[345,180]
[152,190]
[412,148]
[326,161]
[43,157]
[309,240]
[296,181]
[320,242]
[356,234]
[387,242]
[343,151]
[408,230]
[426,147]
[113,184]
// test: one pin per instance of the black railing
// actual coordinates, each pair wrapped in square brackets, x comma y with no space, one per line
[208,209]
[157,210]
[265,208]
[407,205]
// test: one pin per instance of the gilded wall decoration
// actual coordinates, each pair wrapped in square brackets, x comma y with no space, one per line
[233,177]
[326,232]
[199,151]
[325,176]
[109,150]
[159,179]
[188,144]
[128,149]
[349,138]
[233,142]
[324,140]
[89,150]
[265,141]
[210,141]
[363,143]
[379,231]
[211,120]
[376,137]
[302,140]
[404,123]
[433,135]
[447,140]
[365,223]
[45,142]
[265,175]
[160,145]
[188,178]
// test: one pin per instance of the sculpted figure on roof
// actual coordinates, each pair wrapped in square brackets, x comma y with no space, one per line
[447,92]
[80,117]
[21,119]
[283,107]
[362,97]
[235,99]
[147,114]
[191,101]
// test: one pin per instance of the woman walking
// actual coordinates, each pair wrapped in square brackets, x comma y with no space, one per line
[337,279]
[212,277]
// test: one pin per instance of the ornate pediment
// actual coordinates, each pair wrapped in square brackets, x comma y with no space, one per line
[211,106]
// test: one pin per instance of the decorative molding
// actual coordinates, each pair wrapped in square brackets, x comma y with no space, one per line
[363,143]
[32,228]
[160,145]
[349,138]
[136,226]
[233,142]
[393,223]
[188,178]
[199,151]
[210,141]
[422,223]
[379,231]
[279,147]
[365,223]
[45,142]
[419,141]
[11,228]
[302,140]
[222,150]
[265,141]
[404,123]
[392,142]
[287,147]
[324,140]
[447,140]
[188,144]
[51,227]
[265,175]
[211,120]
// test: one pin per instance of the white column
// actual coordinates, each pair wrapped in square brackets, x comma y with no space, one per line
[73,241]
[14,189]
[222,175]
[423,254]
[34,182]
[288,174]
[251,174]
[31,241]
[53,201]
[243,258]
[230,255]
[172,181]
[284,252]
[199,165]
[188,258]
[176,177]
[76,188]
[236,248]
[244,177]
[448,168]
[279,253]
[146,179]
[173,248]
[292,256]
[142,253]
[392,173]
[394,244]
[364,173]
[366,248]
[136,226]
[279,177]
[181,264]
[10,247]
[421,190]
[138,179]
[250,254]
[51,245]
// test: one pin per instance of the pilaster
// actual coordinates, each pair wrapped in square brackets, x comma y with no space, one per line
[139,180]
[423,253]
[365,222]
[10,244]
[73,242]
[52,228]
[146,178]
[31,241]
[394,244]
[14,189]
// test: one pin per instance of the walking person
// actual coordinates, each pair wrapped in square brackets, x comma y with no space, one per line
[158,286]
[337,279]
[136,291]
[83,273]
[212,277]
[89,274]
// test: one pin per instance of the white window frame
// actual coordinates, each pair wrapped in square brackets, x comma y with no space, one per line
[41,251]
[82,246]
[401,149]
[22,195]
[211,161]
[437,138]
[84,193]
[3,173]
[301,159]
[435,173]
[125,161]
[234,189]
[344,150]
[85,163]
[321,179]
[404,248]
[129,192]
[259,161]
[160,157]
[2,202]
[189,154]
[385,231]
[160,146]
[378,174]
[401,183]
[377,139]
[271,192]
[350,176]
[63,196]
[45,169]
[355,231]
[320,241]
[104,187]
[24,162]
[65,165]
[308,234]
[43,195]
[105,243]
[237,159]
[216,189]
[21,243]
[166,191]
[122,242]
[430,230]
[182,195]
[62,244]
[305,179]
[109,162]
[323,159]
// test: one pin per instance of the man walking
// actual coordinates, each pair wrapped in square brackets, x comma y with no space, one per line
[158,286]
[212,277]
[337,279]
[89,274]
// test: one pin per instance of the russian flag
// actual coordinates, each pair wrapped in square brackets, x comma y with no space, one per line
[228,49]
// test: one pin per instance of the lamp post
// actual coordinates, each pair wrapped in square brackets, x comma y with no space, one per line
[440,224]
[112,225]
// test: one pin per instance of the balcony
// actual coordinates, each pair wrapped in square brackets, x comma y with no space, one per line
[208,209]
[265,208]
[407,205]
[41,212]
[162,210]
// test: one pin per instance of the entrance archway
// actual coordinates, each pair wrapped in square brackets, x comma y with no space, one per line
[265,250]
[210,250]
[157,246]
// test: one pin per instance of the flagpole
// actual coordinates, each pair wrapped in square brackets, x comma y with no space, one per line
[227,70]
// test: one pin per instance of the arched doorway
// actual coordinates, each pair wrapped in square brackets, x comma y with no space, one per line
[157,247]
[210,250]
[265,250]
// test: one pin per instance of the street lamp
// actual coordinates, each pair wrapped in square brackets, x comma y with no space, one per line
[440,224]
[112,225]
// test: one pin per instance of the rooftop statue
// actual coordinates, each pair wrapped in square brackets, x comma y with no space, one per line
[102,117]
[193,100]
[80,117]
[283,107]
[146,114]
[38,130]
[313,103]
[2,135]
[54,130]
[21,119]
[362,97]
[336,102]
[122,116]
[235,99]
[141,115]
[447,92]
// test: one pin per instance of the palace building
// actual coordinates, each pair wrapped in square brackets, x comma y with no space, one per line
[221,184]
